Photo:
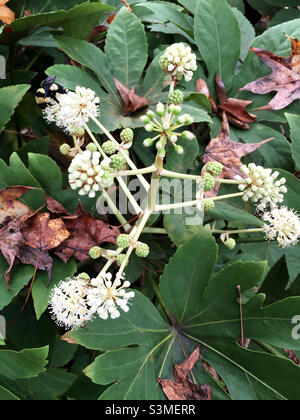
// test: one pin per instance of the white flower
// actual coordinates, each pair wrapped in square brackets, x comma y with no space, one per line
[73,109]
[106,297]
[68,303]
[282,224]
[179,61]
[87,173]
[261,186]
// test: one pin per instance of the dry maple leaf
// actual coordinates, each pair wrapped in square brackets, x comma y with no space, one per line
[285,77]
[85,233]
[42,233]
[132,101]
[182,388]
[11,206]
[229,153]
[7,16]
[234,108]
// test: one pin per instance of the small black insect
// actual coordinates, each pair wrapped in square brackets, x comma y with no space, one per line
[48,91]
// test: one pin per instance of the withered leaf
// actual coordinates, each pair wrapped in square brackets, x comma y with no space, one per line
[234,108]
[132,101]
[40,259]
[42,233]
[229,153]
[285,77]
[10,205]
[11,241]
[182,388]
[7,16]
[85,232]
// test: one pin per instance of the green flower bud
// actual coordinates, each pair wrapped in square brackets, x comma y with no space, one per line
[173,138]
[109,147]
[142,250]
[95,252]
[179,149]
[188,119]
[117,162]
[177,110]
[64,149]
[176,97]
[160,110]
[123,241]
[230,243]
[120,259]
[151,114]
[148,142]
[145,119]
[149,128]
[84,276]
[209,205]
[127,135]
[209,182]
[92,147]
[107,180]
[164,63]
[215,168]
[187,135]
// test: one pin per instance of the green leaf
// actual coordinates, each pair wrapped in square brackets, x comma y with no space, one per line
[49,385]
[6,395]
[10,97]
[278,3]
[294,123]
[126,48]
[46,171]
[23,26]
[139,347]
[27,363]
[20,277]
[219,47]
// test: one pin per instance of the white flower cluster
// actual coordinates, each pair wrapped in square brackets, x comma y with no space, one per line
[262,186]
[72,110]
[179,61]
[76,301]
[282,224]
[68,303]
[106,297]
[88,173]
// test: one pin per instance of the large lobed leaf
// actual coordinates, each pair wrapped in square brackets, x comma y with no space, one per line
[140,346]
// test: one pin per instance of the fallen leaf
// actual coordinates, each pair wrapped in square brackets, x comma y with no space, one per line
[85,233]
[7,16]
[10,205]
[11,241]
[285,77]
[40,259]
[182,388]
[234,108]
[132,101]
[42,233]
[228,153]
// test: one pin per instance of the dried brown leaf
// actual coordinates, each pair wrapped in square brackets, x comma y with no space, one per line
[42,233]
[132,101]
[182,388]
[10,205]
[285,77]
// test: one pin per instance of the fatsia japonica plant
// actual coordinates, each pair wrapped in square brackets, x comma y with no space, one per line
[158,264]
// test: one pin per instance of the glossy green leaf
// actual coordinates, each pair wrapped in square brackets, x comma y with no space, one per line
[27,363]
[9,99]
[294,123]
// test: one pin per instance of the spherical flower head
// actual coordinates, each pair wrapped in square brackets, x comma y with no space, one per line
[127,135]
[117,162]
[142,250]
[95,252]
[123,241]
[107,298]
[120,259]
[230,243]
[179,61]
[86,172]
[214,168]
[209,182]
[74,109]
[209,205]
[176,97]
[283,225]
[109,147]
[68,303]
[65,149]
[261,186]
